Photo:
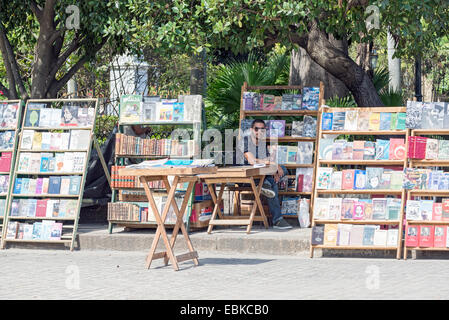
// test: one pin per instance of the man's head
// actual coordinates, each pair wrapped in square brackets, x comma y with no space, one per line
[258,129]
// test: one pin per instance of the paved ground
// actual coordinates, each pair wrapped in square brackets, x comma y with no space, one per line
[59,274]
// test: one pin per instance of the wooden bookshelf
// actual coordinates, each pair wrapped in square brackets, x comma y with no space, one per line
[416,163]
[5,196]
[66,238]
[119,160]
[288,139]
[359,163]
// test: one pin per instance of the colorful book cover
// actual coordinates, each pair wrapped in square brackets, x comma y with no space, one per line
[165,111]
[337,149]
[347,151]
[338,123]
[286,101]
[397,149]
[297,127]
[363,121]
[130,108]
[351,120]
[69,115]
[317,235]
[393,208]
[324,177]
[54,185]
[277,103]
[18,186]
[444,182]
[309,127]
[267,102]
[248,102]
[321,208]
[434,179]
[41,208]
[412,236]
[308,178]
[297,101]
[299,183]
[412,210]
[326,148]
[437,211]
[443,150]
[358,149]
[420,148]
[426,236]
[11,231]
[348,179]
[432,149]
[276,128]
[368,235]
[368,209]
[413,115]
[310,98]
[382,149]
[445,205]
[439,238]
[374,121]
[385,179]
[400,125]
[425,209]
[411,147]
[347,211]
[32,115]
[305,152]
[55,231]
[330,234]
[359,210]
[291,154]
[335,207]
[379,209]
[373,177]
[326,124]
[394,121]
[385,121]
[369,150]
[336,180]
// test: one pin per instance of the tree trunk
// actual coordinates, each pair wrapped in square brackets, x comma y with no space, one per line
[340,65]
[304,71]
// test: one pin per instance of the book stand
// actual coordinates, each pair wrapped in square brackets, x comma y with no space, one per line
[181,175]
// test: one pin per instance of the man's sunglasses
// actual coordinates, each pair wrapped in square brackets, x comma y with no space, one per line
[259,128]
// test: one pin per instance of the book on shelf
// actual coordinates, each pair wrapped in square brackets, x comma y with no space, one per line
[374,121]
[7,140]
[356,237]
[309,127]
[326,148]
[336,180]
[317,235]
[439,236]
[338,122]
[369,150]
[363,121]
[308,178]
[8,114]
[130,108]
[5,161]
[368,235]
[327,119]
[330,234]
[380,238]
[297,128]
[351,120]
[149,108]
[324,177]
[344,232]
[335,207]
[385,121]
[310,98]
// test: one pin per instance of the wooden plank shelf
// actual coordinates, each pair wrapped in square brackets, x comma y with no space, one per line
[162,123]
[279,112]
[6,150]
[51,173]
[423,193]
[56,128]
[428,222]
[364,162]
[320,246]
[281,87]
[367,133]
[296,193]
[295,165]
[429,163]
[7,128]
[439,132]
[361,191]
[151,156]
[46,195]
[375,222]
[291,139]
[50,151]
[38,241]
[40,218]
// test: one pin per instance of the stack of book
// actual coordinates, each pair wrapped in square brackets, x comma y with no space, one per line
[62,185]
[425,179]
[392,149]
[45,230]
[354,235]
[121,181]
[70,115]
[427,236]
[130,145]
[427,148]
[38,140]
[427,115]
[123,211]
[427,210]
[49,208]
[355,179]
[63,162]
[357,209]
[359,120]
[308,100]
[132,195]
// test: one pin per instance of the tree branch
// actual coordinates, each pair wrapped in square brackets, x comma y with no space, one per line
[6,61]
[36,10]
[5,91]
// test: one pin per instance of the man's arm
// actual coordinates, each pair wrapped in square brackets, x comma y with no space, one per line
[252,159]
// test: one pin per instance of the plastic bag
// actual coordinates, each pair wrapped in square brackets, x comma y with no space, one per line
[303,213]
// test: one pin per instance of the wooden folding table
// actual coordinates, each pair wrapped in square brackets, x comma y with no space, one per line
[237,174]
[181,175]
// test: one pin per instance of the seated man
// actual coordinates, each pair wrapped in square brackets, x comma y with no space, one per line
[255,150]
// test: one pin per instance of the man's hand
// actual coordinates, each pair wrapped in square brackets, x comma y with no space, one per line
[278,175]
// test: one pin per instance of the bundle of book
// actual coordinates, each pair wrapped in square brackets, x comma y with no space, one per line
[308,100]
[278,128]
[428,148]
[48,230]
[427,115]
[61,185]
[300,154]
[121,181]
[427,210]
[362,120]
[356,179]
[61,162]
[70,115]
[427,236]
[294,206]
[73,140]
[357,209]
[131,195]
[44,208]
[425,179]
[340,234]
[8,114]
[130,145]
[137,108]
[341,149]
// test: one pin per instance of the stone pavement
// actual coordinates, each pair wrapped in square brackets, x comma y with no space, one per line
[102,274]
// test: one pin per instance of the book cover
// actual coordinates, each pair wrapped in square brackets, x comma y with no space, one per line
[385,121]
[392,237]
[130,108]
[394,121]
[347,151]
[359,210]
[400,125]
[336,180]
[425,116]
[287,101]
[45,184]
[317,235]
[11,231]
[412,236]
[344,232]
[35,162]
[45,117]
[443,149]
[338,123]
[305,153]
[439,236]
[308,178]
[420,148]
[374,121]
[445,212]
[165,111]
[69,115]
[299,182]
[373,177]
[50,206]
[310,98]
[79,140]
[46,229]
[368,235]
[432,149]
[347,210]
[444,181]
[326,148]
[380,238]
[14,210]
[65,185]
[324,177]
[446,115]
[68,162]
[297,101]
[41,208]
[326,124]
[8,115]
[382,149]
[27,139]
[397,149]
[55,120]
[434,179]
[54,185]
[411,147]
[348,179]
[437,211]
[277,103]
[309,127]
[379,209]
[178,111]
[27,231]
[436,116]
[4,184]
[358,149]
[335,207]
[426,236]
[267,102]
[368,209]
[411,178]
[356,237]
[297,127]
[74,187]
[321,208]
[351,120]
[37,230]
[46,140]
[393,208]
[330,234]
[337,149]
[149,107]
[44,163]
[363,121]
[413,115]
[55,231]
[369,150]
[18,186]
[385,179]
[276,128]
[37,141]
[291,154]
[32,115]
[412,210]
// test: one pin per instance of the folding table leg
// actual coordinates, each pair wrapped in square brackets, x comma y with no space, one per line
[217,202]
[258,204]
